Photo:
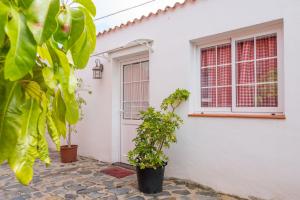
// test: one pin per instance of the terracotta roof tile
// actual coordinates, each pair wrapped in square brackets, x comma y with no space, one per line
[142,18]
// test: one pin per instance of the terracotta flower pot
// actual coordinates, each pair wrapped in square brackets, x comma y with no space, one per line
[68,154]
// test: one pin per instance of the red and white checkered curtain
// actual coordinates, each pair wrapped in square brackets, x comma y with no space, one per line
[266,70]
[257,74]
[224,95]
[208,77]
[216,76]
[245,74]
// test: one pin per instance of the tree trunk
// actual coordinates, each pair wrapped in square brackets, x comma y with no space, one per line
[69,137]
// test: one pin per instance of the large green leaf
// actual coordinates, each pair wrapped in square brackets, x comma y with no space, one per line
[53,132]
[34,91]
[37,84]
[18,129]
[77,26]
[89,5]
[3,52]
[41,19]
[72,112]
[11,116]
[90,28]
[59,114]
[63,30]
[72,81]
[64,75]
[6,2]
[82,49]
[22,158]
[21,56]
[44,54]
[4,18]
[49,78]
[61,67]
[24,3]
[42,145]
[63,72]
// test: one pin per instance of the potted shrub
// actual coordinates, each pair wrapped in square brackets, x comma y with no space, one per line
[68,153]
[156,132]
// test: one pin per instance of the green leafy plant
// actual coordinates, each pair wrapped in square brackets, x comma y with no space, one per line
[42,43]
[81,102]
[156,132]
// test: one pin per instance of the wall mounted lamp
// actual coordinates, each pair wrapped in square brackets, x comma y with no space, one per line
[98,69]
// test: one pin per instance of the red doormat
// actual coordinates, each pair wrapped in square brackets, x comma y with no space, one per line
[117,172]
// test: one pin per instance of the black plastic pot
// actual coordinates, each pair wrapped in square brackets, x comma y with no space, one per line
[150,180]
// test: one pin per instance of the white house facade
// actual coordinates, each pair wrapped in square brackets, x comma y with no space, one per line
[240,61]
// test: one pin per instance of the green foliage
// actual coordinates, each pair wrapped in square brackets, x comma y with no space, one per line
[80,100]
[21,56]
[175,99]
[157,132]
[40,19]
[38,39]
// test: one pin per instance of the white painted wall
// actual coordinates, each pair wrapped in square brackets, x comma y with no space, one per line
[239,156]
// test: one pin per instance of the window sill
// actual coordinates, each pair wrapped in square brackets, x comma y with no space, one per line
[232,115]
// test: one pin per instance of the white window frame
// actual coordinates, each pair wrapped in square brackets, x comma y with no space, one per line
[234,109]
[210,109]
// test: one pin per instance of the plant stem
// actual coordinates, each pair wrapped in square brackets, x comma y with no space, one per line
[69,137]
[161,145]
[163,141]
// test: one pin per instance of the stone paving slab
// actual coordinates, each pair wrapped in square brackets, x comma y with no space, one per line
[83,180]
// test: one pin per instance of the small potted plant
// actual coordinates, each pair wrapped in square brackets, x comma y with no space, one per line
[156,132]
[68,153]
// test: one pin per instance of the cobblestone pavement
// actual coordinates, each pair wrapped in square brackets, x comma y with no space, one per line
[83,180]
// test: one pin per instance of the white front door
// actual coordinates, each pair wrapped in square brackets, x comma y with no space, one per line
[134,98]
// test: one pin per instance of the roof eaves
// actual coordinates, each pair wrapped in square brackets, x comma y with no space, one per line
[143,18]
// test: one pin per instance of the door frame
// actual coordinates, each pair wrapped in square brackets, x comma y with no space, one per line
[131,60]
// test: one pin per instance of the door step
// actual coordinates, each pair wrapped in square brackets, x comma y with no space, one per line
[124,165]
